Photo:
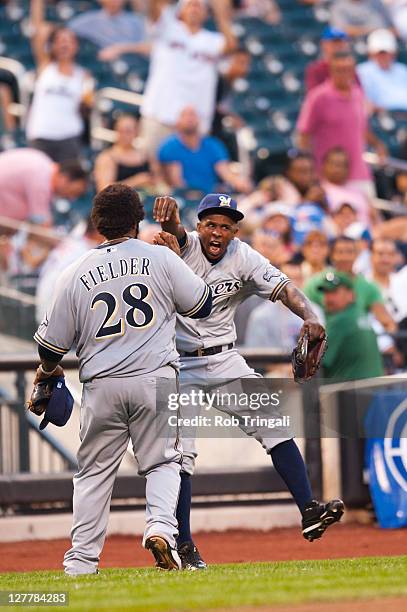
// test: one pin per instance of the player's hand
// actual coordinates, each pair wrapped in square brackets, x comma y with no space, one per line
[168,240]
[39,376]
[166,209]
[314,329]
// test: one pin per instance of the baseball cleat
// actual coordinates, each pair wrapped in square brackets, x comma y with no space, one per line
[190,558]
[166,558]
[317,517]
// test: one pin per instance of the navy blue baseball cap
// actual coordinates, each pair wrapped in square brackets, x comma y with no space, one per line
[331,33]
[60,405]
[220,204]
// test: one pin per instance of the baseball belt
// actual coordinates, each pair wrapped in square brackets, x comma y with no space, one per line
[212,350]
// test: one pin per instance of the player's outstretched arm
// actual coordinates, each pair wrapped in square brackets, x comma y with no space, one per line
[166,212]
[298,303]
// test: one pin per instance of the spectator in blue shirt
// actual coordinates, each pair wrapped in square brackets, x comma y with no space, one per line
[192,161]
[112,29]
[383,79]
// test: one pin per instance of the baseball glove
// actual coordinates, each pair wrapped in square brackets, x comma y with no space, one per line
[307,356]
[40,396]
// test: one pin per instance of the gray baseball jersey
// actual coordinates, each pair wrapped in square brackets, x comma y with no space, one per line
[117,303]
[240,273]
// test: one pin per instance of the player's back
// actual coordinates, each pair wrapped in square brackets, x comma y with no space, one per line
[118,302]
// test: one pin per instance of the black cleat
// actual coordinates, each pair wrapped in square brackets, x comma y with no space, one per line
[166,558]
[190,557]
[317,517]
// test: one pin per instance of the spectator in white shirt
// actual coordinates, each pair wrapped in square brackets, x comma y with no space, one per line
[383,79]
[385,259]
[62,90]
[183,69]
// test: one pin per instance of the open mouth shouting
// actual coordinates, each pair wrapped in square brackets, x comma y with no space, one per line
[215,248]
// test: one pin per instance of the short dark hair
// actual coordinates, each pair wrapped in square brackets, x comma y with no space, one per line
[342,239]
[293,155]
[73,169]
[117,209]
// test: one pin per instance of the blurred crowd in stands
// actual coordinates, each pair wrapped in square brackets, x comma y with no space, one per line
[312,210]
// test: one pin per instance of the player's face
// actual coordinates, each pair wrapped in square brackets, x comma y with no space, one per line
[215,233]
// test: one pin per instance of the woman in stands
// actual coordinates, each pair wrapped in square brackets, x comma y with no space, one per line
[62,91]
[124,161]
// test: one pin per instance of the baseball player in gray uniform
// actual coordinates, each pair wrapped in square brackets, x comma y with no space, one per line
[117,304]
[234,271]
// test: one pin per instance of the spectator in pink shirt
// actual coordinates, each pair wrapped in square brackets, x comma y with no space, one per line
[334,114]
[335,174]
[29,180]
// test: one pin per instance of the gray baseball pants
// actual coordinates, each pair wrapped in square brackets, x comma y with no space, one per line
[228,365]
[114,410]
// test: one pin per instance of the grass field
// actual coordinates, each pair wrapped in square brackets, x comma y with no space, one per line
[221,586]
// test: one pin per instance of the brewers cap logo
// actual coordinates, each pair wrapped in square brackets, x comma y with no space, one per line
[224,200]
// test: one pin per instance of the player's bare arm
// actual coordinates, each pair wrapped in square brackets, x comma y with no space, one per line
[166,213]
[299,304]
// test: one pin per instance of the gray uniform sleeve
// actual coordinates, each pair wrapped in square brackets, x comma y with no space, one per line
[266,280]
[190,291]
[57,330]
[190,245]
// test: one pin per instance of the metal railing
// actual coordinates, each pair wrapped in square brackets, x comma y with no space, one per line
[23,446]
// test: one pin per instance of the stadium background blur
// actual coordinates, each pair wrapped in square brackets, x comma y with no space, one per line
[302,215]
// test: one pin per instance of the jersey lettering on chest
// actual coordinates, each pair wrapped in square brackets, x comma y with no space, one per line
[225,288]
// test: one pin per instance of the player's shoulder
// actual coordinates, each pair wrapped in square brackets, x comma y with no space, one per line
[191,243]
[247,252]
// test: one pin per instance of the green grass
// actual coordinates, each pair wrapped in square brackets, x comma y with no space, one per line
[221,586]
